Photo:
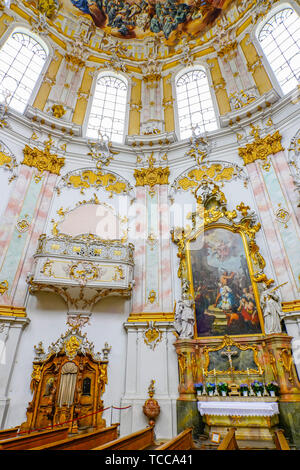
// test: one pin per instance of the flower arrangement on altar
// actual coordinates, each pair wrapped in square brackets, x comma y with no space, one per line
[257,387]
[210,388]
[199,387]
[222,388]
[272,388]
[244,389]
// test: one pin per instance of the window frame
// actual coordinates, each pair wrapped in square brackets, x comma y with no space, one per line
[254,38]
[45,43]
[175,77]
[119,75]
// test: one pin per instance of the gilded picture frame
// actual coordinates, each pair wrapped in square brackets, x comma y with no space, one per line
[254,289]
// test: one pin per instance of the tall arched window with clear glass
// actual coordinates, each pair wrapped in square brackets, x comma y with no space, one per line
[280,41]
[108,111]
[194,103]
[22,59]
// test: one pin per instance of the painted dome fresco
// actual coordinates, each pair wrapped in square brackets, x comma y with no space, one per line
[139,19]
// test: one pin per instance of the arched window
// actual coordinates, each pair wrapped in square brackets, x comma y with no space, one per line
[22,59]
[108,109]
[280,42]
[194,103]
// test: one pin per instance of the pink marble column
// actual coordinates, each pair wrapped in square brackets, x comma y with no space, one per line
[13,208]
[19,287]
[287,184]
[278,257]
[139,242]
[165,272]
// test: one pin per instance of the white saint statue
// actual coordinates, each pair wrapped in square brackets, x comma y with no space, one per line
[185,319]
[271,305]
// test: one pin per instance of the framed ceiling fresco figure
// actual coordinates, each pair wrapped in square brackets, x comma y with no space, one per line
[220,273]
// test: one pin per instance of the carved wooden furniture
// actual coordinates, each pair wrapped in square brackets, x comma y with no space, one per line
[184,441]
[229,441]
[139,440]
[83,441]
[280,441]
[38,438]
[67,384]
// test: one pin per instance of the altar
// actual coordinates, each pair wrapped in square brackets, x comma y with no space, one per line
[255,418]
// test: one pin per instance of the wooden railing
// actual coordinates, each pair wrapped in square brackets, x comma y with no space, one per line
[136,441]
[184,441]
[27,441]
[8,433]
[229,441]
[83,441]
[280,440]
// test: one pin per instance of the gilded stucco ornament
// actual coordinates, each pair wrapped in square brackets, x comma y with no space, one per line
[58,111]
[3,287]
[214,172]
[212,210]
[261,147]
[43,160]
[151,176]
[8,161]
[152,335]
[91,178]
[49,8]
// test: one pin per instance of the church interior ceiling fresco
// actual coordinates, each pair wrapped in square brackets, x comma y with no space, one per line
[167,19]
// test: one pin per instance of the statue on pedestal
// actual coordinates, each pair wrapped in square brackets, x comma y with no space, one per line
[185,318]
[271,305]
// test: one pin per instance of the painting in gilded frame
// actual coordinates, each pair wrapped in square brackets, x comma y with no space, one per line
[226,300]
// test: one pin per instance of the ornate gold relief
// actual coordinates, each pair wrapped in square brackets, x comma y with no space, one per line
[152,175]
[84,179]
[74,62]
[58,110]
[43,160]
[261,148]
[228,51]
[152,296]
[3,287]
[286,360]
[152,335]
[71,346]
[49,8]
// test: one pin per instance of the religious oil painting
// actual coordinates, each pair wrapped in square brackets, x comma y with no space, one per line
[225,299]
[138,19]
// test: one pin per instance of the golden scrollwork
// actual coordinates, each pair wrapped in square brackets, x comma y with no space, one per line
[152,296]
[58,110]
[74,62]
[85,179]
[43,160]
[228,51]
[72,345]
[151,176]
[182,362]
[286,360]
[152,335]
[261,148]
[3,287]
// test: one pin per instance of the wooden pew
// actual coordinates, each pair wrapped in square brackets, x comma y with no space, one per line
[7,433]
[229,441]
[27,441]
[84,441]
[280,440]
[136,441]
[184,441]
